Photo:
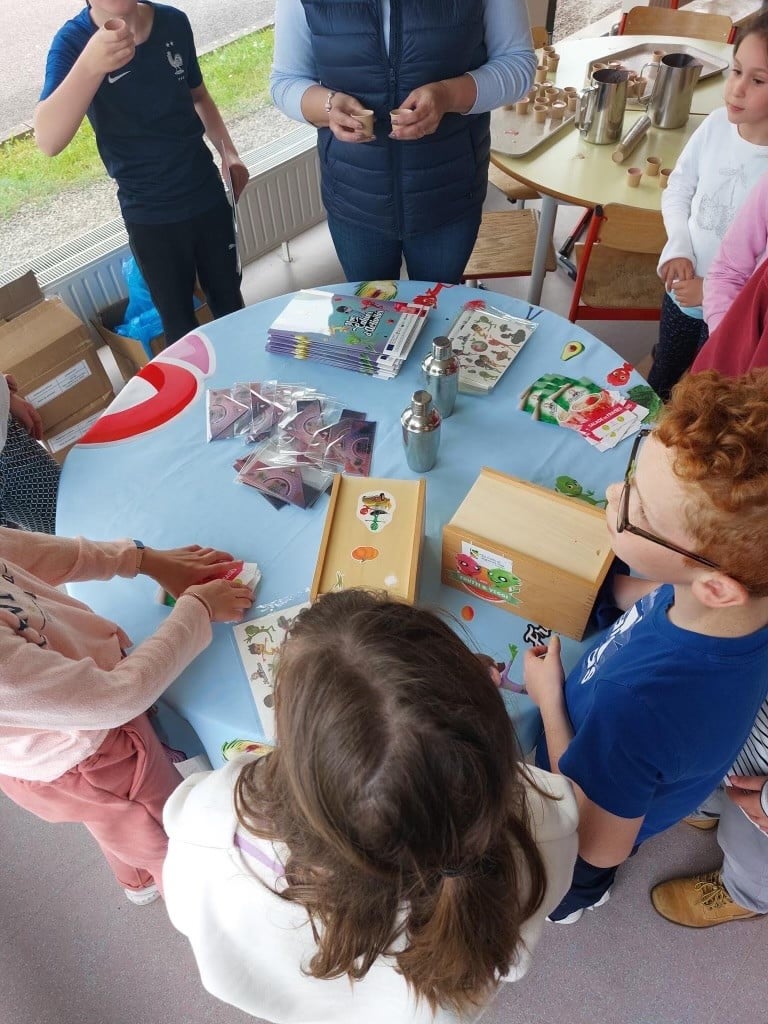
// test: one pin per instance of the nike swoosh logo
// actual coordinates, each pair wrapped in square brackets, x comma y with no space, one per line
[116,78]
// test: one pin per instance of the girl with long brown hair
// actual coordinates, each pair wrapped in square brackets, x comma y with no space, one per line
[391,860]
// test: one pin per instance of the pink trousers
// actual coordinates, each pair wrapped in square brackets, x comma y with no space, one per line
[118,793]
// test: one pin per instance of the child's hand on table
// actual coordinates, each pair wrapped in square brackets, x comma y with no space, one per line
[689,292]
[226,600]
[177,569]
[543,673]
[676,270]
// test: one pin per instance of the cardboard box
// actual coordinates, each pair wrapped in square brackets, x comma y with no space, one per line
[372,537]
[130,355]
[528,550]
[49,351]
[63,436]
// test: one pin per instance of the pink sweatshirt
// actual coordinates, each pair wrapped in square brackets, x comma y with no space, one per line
[63,680]
[741,251]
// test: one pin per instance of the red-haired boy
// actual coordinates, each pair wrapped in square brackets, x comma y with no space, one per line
[654,716]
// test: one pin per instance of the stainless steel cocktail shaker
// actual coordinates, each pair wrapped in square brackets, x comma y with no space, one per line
[421,432]
[441,374]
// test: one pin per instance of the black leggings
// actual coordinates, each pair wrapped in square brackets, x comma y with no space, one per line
[171,256]
[680,338]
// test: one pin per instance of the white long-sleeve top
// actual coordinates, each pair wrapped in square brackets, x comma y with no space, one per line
[64,682]
[711,179]
[251,946]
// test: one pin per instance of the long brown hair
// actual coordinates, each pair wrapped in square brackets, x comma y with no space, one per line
[397,788]
[756,24]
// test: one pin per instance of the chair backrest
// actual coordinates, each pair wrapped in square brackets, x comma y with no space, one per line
[632,230]
[539,35]
[647,21]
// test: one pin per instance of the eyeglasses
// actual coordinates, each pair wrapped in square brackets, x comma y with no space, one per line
[623,522]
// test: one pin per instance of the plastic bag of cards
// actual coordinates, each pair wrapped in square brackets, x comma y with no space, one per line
[305,425]
[271,402]
[284,477]
[228,412]
[486,341]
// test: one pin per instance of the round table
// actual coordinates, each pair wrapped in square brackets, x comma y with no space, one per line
[168,487]
[566,169]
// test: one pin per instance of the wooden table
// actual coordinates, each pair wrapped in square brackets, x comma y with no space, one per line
[567,169]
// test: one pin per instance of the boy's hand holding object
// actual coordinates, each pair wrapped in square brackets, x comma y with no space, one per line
[109,48]
[543,673]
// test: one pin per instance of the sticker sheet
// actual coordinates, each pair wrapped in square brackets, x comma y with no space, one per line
[486,341]
[258,643]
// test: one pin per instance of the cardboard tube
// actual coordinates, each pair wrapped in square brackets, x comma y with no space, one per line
[557,110]
[541,73]
[540,112]
[634,174]
[652,165]
[365,119]
[522,106]
[631,140]
[664,174]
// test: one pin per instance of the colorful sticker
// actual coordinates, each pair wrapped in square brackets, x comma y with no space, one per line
[375,510]
[485,559]
[497,585]
[535,634]
[619,377]
[572,489]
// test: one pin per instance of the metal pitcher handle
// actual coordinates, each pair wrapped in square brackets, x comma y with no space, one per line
[582,108]
[646,99]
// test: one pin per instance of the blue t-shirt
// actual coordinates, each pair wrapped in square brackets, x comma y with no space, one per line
[147,129]
[659,713]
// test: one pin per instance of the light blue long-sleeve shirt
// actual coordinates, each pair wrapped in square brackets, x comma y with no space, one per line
[505,77]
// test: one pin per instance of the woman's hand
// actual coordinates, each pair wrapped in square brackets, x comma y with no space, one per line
[178,569]
[342,122]
[543,673]
[679,269]
[689,292]
[26,414]
[227,600]
[421,112]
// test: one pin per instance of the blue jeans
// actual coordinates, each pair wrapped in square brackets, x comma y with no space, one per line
[438,255]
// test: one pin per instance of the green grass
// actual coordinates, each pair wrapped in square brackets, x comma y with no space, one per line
[237,76]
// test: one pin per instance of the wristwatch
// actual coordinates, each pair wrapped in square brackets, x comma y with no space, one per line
[140,548]
[329,100]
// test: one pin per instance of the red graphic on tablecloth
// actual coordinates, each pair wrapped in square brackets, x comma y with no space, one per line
[175,387]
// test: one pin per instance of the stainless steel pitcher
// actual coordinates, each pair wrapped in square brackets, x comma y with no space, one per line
[669,103]
[600,112]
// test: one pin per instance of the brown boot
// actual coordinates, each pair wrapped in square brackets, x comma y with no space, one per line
[705,824]
[698,902]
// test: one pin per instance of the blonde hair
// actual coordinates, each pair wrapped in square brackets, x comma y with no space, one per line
[718,429]
[397,788]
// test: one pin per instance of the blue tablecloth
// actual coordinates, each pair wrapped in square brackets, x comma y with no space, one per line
[169,487]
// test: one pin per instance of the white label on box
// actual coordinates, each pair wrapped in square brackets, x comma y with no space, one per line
[72,434]
[53,388]
[488,559]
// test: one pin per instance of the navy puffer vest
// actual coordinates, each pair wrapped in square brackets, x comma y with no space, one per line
[400,188]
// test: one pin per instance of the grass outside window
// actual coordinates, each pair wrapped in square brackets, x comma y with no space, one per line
[236,75]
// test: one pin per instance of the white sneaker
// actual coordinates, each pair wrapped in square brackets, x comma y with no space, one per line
[576,915]
[142,897]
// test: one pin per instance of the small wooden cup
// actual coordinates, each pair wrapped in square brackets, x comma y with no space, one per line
[540,112]
[365,119]
[552,60]
[541,73]
[634,174]
[652,166]
[664,174]
[521,107]
[657,55]
[557,110]
[573,101]
[533,93]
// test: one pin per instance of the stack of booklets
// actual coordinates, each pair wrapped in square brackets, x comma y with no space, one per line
[370,336]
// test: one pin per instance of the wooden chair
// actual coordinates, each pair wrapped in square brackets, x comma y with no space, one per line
[505,246]
[515,191]
[539,35]
[650,21]
[616,277]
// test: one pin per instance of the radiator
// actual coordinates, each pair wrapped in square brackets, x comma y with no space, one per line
[281,200]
